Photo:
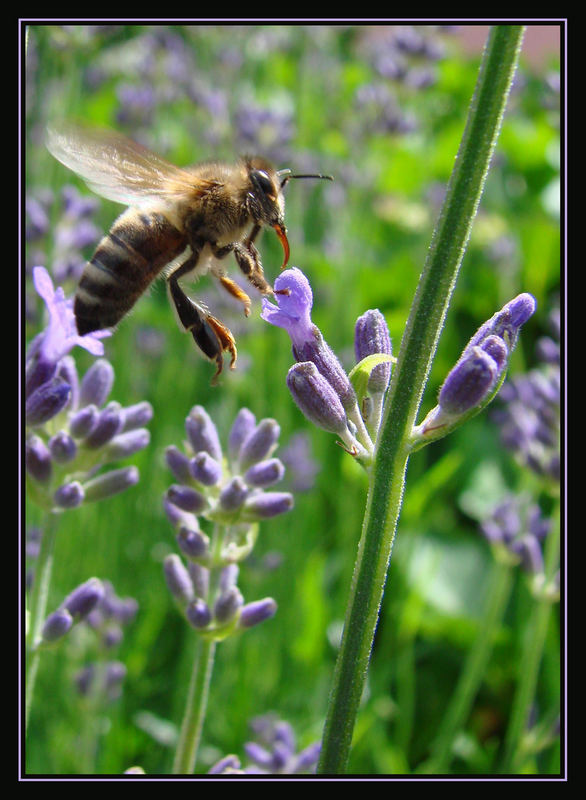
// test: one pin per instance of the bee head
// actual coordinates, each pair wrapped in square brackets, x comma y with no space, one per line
[266,199]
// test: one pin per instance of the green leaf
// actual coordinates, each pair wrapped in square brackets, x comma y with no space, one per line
[361,373]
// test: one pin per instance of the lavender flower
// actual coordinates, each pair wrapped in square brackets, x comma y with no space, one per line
[276,751]
[76,606]
[102,678]
[529,417]
[231,494]
[58,339]
[516,530]
[318,382]
[73,430]
[480,370]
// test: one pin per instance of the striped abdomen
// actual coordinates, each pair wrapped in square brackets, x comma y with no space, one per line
[135,251]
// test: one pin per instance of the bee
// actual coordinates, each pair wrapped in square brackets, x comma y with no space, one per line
[180,221]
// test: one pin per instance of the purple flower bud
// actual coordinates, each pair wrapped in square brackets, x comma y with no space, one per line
[56,625]
[186,498]
[177,517]
[67,370]
[257,612]
[83,422]
[178,579]
[531,554]
[84,679]
[295,299]
[82,599]
[316,398]
[38,459]
[316,350]
[178,463]
[260,443]
[205,469]
[137,416]
[192,543]
[233,494]
[497,350]
[198,613]
[200,577]
[47,401]
[226,765]
[108,424]
[242,427]
[228,577]
[127,444]
[468,383]
[371,335]
[266,505]
[259,755]
[62,447]
[39,369]
[265,473]
[110,483]
[228,604]
[202,433]
[308,757]
[115,674]
[96,384]
[70,495]
[506,323]
[112,636]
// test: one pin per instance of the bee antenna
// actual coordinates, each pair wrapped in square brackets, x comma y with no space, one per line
[289,176]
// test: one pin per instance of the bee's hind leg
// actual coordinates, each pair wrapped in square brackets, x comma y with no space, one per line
[209,334]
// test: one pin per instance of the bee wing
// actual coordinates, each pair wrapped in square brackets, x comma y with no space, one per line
[119,169]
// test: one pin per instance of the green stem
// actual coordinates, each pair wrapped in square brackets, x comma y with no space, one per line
[201,675]
[189,738]
[407,385]
[474,669]
[38,607]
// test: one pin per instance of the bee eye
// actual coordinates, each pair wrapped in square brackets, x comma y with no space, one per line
[262,181]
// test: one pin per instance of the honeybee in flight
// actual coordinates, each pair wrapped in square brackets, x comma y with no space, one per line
[181,220]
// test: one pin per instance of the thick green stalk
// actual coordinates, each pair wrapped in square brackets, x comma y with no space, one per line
[410,375]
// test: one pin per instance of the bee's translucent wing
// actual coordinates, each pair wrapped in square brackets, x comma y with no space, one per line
[119,169]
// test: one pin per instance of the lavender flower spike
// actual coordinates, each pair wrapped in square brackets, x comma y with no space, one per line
[295,299]
[480,370]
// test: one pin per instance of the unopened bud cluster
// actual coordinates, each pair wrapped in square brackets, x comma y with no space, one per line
[318,383]
[233,491]
[94,604]
[103,677]
[273,752]
[516,530]
[72,429]
[479,372]
[76,606]
[65,450]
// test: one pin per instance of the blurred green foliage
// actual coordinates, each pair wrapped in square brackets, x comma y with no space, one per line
[362,241]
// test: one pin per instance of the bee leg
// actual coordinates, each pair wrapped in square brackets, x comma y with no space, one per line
[236,292]
[209,334]
[248,259]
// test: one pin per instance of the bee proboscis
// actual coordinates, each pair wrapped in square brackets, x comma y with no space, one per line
[182,221]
